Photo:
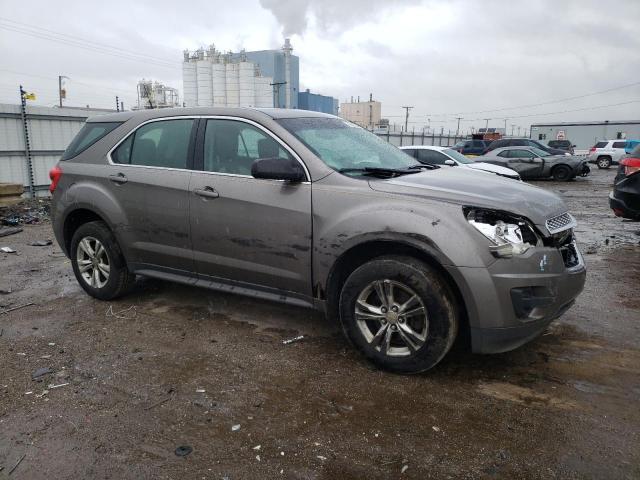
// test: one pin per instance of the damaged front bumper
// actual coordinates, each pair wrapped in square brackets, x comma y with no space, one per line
[515,299]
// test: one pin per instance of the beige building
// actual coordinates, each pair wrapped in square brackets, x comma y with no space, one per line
[365,114]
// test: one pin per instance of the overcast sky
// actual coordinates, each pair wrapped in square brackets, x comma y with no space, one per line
[447,59]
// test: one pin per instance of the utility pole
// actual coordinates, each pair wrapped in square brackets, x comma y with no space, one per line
[505,126]
[486,126]
[61,92]
[122,106]
[519,130]
[371,111]
[513,125]
[406,117]
[27,143]
[458,127]
[117,104]
[276,93]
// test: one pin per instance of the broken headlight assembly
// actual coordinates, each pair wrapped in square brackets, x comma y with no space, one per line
[509,234]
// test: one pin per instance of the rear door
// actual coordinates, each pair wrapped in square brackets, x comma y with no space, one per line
[618,150]
[244,229]
[149,175]
[525,162]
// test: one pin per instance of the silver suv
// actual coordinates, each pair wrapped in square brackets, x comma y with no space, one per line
[607,153]
[308,209]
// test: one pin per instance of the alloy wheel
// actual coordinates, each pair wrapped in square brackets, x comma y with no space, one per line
[93,262]
[392,318]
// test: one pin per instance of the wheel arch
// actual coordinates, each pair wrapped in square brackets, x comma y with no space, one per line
[74,220]
[363,252]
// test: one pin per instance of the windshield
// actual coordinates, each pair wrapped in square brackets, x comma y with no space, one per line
[457,156]
[343,145]
[539,152]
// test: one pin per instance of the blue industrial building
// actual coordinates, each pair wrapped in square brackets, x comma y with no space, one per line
[317,103]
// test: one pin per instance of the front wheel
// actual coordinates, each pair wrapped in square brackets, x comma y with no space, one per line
[562,173]
[399,313]
[98,263]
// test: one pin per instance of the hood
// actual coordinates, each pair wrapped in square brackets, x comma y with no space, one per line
[465,186]
[488,167]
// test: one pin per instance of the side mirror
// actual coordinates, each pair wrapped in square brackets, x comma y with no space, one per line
[278,169]
[450,162]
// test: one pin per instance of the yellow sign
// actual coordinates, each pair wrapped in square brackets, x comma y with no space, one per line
[29,96]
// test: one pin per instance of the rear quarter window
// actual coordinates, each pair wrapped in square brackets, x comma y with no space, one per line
[601,144]
[89,134]
[619,144]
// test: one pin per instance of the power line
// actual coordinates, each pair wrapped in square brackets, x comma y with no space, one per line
[140,58]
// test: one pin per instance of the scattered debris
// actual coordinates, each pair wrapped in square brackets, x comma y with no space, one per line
[5,290]
[44,392]
[41,372]
[292,340]
[17,463]
[183,450]
[200,390]
[235,428]
[52,386]
[45,357]
[4,232]
[258,457]
[321,457]
[51,344]
[40,243]
[7,310]
[257,447]
[126,313]
[404,468]
[436,429]
[158,403]
[7,250]
[28,393]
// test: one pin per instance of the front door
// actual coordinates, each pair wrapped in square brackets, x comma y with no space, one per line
[526,163]
[149,177]
[245,229]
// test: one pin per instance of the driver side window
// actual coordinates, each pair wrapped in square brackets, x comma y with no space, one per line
[231,147]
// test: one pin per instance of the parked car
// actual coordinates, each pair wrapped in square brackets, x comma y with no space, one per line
[564,145]
[624,200]
[445,156]
[532,163]
[308,209]
[471,147]
[523,142]
[607,153]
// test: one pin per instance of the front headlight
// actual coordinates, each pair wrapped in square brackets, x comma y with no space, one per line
[509,234]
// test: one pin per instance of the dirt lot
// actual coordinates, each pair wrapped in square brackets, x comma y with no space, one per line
[172,366]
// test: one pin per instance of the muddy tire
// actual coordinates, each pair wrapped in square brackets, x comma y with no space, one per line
[98,263]
[399,313]
[603,162]
[562,173]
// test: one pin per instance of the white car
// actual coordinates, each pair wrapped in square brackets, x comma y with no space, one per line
[607,152]
[447,156]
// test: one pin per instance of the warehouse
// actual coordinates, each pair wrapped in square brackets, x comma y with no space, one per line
[585,134]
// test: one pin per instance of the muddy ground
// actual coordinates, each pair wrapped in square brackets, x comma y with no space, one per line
[171,366]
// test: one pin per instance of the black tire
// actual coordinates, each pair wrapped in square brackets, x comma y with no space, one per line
[435,295]
[562,173]
[119,279]
[603,162]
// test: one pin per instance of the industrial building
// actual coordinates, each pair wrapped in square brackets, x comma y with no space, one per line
[264,78]
[585,134]
[365,114]
[156,95]
[317,103]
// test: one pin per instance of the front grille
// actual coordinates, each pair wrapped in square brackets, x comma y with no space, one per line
[560,222]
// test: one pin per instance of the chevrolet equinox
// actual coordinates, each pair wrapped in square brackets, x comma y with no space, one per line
[308,209]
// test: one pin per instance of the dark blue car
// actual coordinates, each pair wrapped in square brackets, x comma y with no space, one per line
[471,147]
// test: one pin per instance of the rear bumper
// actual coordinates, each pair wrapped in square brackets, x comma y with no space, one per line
[621,209]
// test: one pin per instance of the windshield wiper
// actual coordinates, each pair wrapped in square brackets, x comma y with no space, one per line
[379,171]
[428,166]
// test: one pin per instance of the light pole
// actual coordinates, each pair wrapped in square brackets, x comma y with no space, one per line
[61,93]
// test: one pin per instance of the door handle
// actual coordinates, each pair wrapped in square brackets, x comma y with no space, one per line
[118,178]
[206,192]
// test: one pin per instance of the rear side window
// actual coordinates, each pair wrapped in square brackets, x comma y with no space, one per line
[619,144]
[89,134]
[601,144]
[410,151]
[157,144]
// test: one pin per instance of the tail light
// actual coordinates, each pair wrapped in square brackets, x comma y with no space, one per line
[631,165]
[54,174]
[592,149]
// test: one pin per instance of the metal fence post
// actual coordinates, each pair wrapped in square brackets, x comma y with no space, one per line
[27,147]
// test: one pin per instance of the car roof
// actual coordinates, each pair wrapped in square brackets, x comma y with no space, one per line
[424,147]
[243,112]
[513,147]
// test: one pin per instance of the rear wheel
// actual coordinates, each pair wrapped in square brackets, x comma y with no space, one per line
[604,162]
[399,313]
[562,173]
[98,263]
